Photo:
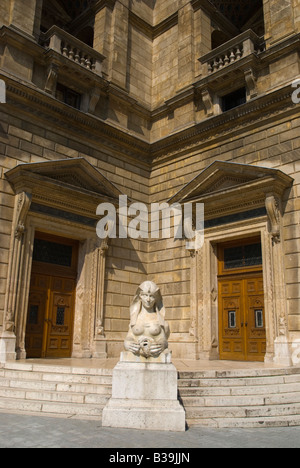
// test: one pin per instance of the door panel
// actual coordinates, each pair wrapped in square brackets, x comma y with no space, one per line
[50,319]
[256,331]
[232,342]
[37,306]
[60,321]
[50,316]
[242,319]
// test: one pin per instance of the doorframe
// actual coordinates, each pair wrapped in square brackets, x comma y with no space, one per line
[88,336]
[240,275]
[204,287]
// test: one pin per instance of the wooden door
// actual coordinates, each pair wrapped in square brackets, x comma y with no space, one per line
[231,320]
[242,329]
[37,309]
[50,318]
[60,317]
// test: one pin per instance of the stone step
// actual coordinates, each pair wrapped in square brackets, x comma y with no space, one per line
[237,374]
[57,390]
[53,408]
[239,391]
[236,382]
[52,377]
[276,421]
[245,401]
[198,413]
[237,398]
[65,397]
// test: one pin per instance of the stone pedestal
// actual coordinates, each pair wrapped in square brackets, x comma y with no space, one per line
[144,396]
[7,347]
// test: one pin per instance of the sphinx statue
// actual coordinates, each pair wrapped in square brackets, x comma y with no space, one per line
[148,331]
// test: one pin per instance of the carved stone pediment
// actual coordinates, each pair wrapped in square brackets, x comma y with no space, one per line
[77,173]
[70,184]
[226,187]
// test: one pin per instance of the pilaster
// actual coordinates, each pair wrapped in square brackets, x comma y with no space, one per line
[103,33]
[26,19]
[8,337]
[120,50]
[186,61]
[281,20]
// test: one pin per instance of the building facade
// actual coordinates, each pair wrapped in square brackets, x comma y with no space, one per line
[161,101]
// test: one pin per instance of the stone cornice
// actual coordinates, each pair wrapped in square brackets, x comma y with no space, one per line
[217,127]
[31,100]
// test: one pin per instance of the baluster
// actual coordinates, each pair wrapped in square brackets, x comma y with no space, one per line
[71,53]
[226,59]
[88,62]
[82,61]
[215,65]
[221,63]
[239,52]
[65,50]
[232,56]
[77,56]
[210,67]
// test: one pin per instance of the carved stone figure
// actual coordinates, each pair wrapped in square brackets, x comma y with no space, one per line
[148,331]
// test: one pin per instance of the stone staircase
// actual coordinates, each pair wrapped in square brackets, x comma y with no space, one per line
[211,398]
[54,390]
[241,398]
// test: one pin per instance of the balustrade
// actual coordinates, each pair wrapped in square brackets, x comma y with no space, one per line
[232,51]
[73,49]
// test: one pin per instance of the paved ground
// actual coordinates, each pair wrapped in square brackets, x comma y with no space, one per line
[20,431]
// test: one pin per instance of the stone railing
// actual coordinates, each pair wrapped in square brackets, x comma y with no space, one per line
[232,51]
[72,48]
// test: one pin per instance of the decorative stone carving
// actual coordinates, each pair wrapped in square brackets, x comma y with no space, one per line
[273,210]
[144,386]
[52,75]
[208,102]
[148,331]
[251,82]
[22,205]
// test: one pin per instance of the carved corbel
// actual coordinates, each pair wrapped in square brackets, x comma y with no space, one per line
[208,102]
[23,204]
[94,99]
[51,82]
[274,215]
[251,82]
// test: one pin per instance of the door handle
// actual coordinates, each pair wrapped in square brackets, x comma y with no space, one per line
[246,324]
[242,324]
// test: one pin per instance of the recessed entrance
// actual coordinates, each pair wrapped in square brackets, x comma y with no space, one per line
[242,327]
[50,318]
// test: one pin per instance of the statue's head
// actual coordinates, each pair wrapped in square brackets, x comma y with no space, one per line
[148,292]
[149,296]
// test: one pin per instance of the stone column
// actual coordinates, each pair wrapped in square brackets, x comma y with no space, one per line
[103,35]
[4,13]
[120,32]
[281,20]
[186,61]
[281,345]
[26,18]
[8,336]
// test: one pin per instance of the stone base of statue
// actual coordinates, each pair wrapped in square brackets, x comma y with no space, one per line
[144,395]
